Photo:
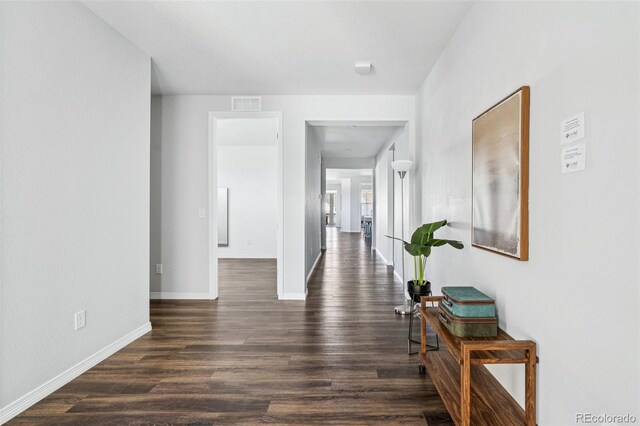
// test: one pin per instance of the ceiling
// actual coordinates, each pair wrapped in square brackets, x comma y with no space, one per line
[334,175]
[352,139]
[285,47]
[246,131]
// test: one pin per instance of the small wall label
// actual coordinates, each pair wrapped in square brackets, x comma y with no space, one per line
[572,129]
[572,158]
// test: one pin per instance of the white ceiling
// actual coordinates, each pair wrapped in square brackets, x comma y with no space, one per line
[285,47]
[334,175]
[352,140]
[246,131]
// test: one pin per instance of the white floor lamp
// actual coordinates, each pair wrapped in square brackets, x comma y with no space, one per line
[402,167]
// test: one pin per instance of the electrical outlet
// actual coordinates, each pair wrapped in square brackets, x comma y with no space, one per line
[159,268]
[248,242]
[201,213]
[81,319]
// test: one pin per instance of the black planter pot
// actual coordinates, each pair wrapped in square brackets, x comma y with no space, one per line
[417,291]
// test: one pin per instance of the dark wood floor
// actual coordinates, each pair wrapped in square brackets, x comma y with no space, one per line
[337,358]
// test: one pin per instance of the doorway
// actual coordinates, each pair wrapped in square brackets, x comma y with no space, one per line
[349,194]
[331,208]
[245,194]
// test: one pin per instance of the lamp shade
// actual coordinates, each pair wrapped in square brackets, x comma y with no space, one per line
[402,165]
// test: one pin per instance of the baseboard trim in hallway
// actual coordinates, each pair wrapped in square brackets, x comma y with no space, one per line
[295,296]
[386,262]
[42,391]
[315,264]
[247,256]
[397,275]
[159,295]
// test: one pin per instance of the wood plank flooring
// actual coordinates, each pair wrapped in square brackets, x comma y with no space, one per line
[337,358]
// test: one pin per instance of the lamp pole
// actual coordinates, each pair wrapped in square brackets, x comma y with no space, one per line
[402,166]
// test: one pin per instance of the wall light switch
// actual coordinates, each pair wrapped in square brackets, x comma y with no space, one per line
[81,319]
[201,213]
[158,268]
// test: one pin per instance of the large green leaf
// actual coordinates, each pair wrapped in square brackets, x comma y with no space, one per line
[430,228]
[425,251]
[436,242]
[396,238]
[425,232]
[417,237]
[413,249]
[422,240]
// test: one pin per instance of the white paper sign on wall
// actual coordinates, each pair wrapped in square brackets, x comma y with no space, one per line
[572,129]
[572,158]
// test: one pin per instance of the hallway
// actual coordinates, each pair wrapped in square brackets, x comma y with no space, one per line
[337,358]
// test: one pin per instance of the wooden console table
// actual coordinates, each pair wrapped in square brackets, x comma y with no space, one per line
[453,370]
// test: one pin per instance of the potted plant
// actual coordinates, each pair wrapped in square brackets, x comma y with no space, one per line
[420,246]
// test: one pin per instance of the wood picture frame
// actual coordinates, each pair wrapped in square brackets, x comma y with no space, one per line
[500,177]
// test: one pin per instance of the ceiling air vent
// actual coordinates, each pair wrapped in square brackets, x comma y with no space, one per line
[246,104]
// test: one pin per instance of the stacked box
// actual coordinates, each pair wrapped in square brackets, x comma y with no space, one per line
[467,312]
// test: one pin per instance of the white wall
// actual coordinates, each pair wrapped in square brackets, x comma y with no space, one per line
[404,151]
[345,205]
[337,187]
[348,163]
[250,174]
[313,203]
[74,190]
[385,197]
[185,171]
[383,200]
[155,238]
[347,210]
[578,295]
[357,185]
[350,202]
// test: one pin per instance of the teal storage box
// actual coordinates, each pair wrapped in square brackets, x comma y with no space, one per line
[468,302]
[468,327]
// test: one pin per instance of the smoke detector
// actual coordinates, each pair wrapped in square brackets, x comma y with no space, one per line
[363,68]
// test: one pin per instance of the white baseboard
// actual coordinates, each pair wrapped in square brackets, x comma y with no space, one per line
[178,295]
[246,255]
[295,296]
[386,262]
[313,268]
[18,406]
[397,275]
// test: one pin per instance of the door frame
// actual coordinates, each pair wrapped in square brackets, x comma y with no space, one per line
[213,199]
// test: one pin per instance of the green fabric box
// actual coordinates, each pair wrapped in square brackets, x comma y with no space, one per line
[468,302]
[468,327]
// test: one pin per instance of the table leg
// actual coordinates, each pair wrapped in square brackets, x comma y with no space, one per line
[465,387]
[530,387]
[423,328]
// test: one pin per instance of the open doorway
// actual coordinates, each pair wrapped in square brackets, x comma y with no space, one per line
[349,193]
[332,203]
[245,196]
[348,168]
